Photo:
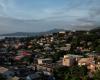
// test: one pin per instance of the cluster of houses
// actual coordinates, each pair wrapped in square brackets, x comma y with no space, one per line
[92,65]
[28,59]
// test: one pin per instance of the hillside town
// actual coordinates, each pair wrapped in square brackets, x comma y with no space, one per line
[64,55]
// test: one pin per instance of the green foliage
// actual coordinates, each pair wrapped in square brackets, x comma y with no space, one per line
[1,77]
[57,55]
[97,48]
[97,75]
[71,73]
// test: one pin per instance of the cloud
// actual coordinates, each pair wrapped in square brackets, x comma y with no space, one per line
[2,8]
[12,9]
[86,20]
[66,13]
[93,17]
[71,9]
[94,12]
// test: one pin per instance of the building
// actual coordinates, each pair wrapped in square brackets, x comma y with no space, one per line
[44,61]
[86,61]
[68,61]
[45,67]
[6,73]
[68,46]
[77,57]
[35,76]
[3,70]
[14,78]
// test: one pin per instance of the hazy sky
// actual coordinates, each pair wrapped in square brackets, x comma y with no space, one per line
[41,15]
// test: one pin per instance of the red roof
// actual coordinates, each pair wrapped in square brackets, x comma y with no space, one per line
[25,53]
[18,57]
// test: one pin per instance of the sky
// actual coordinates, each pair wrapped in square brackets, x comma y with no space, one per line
[42,15]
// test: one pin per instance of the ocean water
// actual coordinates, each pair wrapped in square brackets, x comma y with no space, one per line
[2,37]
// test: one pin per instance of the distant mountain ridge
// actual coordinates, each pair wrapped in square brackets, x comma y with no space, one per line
[42,33]
[33,33]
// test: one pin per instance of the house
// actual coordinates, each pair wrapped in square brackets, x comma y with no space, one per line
[62,32]
[47,48]
[68,46]
[63,48]
[35,76]
[85,50]
[98,66]
[3,70]
[3,50]
[14,78]
[44,61]
[86,61]
[6,73]
[68,61]
[45,67]
[77,57]
[23,56]
[91,64]
[23,71]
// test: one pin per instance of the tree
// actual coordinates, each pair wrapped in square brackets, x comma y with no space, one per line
[71,73]
[1,77]
[78,71]
[61,72]
[97,75]
[97,48]
[57,55]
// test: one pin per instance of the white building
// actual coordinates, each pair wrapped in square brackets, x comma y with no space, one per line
[44,61]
